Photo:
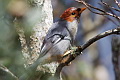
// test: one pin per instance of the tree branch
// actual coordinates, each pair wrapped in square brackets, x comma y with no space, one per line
[110,6]
[83,47]
[99,36]
[24,46]
[6,74]
[102,12]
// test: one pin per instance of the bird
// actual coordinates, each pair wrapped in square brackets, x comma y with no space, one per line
[61,36]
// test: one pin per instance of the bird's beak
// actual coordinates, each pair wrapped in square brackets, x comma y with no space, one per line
[82,9]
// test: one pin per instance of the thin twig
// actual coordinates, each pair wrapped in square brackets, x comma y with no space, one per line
[84,46]
[112,21]
[101,3]
[102,12]
[118,4]
[99,36]
[87,5]
[109,17]
[111,10]
[4,70]
[110,6]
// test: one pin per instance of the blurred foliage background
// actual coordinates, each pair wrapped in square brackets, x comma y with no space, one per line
[94,64]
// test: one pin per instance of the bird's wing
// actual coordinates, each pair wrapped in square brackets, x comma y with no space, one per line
[55,35]
[49,42]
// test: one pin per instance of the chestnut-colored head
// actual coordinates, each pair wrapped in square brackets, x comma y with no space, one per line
[72,13]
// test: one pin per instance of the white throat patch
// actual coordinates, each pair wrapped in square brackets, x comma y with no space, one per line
[73,26]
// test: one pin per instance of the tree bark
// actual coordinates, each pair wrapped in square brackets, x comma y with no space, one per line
[115,56]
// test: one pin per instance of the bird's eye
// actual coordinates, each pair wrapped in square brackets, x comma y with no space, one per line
[73,13]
